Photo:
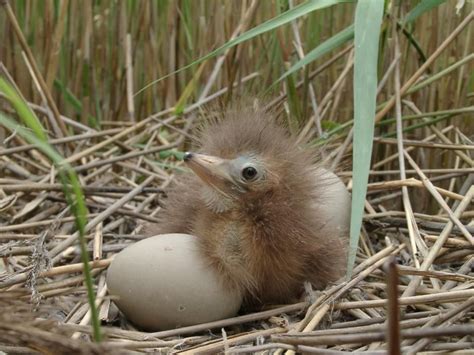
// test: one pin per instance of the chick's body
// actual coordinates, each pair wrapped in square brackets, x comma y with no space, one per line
[255,204]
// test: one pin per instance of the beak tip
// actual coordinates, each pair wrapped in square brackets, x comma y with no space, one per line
[187,156]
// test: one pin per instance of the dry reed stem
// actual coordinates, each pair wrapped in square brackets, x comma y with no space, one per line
[393,311]
[451,296]
[425,65]
[416,241]
[35,71]
[439,199]
[425,144]
[308,339]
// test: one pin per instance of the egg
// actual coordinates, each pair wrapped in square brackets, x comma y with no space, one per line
[334,203]
[162,282]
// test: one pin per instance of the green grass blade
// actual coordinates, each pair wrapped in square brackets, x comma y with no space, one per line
[24,112]
[68,96]
[280,20]
[368,19]
[420,9]
[425,123]
[69,180]
[325,47]
[76,104]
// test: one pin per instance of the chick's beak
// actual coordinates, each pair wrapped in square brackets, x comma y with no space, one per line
[212,170]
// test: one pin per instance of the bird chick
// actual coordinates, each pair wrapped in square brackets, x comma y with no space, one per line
[255,202]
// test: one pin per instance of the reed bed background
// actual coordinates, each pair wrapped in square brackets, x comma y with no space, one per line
[85,69]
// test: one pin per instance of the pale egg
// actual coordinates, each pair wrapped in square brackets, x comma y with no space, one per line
[333,203]
[162,282]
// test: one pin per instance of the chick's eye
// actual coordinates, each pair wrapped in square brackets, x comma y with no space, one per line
[249,173]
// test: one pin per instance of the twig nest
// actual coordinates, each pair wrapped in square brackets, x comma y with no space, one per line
[162,282]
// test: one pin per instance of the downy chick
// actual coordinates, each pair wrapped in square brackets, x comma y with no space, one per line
[256,201]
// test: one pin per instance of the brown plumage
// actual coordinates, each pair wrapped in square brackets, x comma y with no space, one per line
[255,201]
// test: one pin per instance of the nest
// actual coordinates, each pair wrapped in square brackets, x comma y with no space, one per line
[413,278]
[412,288]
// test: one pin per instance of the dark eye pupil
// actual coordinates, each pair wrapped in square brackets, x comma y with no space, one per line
[249,173]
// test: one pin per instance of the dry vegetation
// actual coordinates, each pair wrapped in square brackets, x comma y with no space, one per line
[93,56]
